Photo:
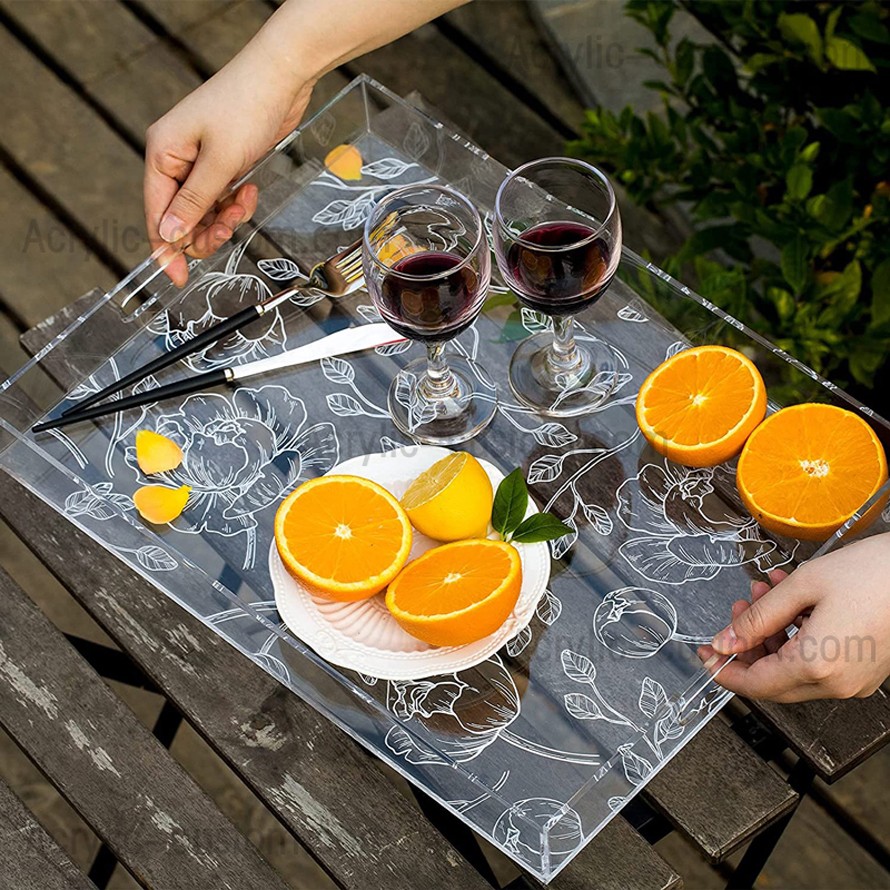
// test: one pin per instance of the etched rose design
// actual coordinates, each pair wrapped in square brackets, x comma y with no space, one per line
[455,717]
[530,826]
[241,453]
[636,622]
[214,297]
[681,534]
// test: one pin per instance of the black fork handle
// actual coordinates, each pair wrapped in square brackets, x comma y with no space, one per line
[196,344]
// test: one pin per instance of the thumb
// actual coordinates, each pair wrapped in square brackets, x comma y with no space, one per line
[769,615]
[205,184]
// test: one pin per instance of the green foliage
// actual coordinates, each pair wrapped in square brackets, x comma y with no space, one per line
[776,135]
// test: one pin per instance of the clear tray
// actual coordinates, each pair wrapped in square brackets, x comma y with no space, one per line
[541,745]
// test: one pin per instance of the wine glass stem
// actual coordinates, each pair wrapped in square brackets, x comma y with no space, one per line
[440,382]
[564,354]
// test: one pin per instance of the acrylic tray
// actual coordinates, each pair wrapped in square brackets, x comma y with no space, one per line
[542,744]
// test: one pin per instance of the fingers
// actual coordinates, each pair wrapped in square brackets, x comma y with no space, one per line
[207,180]
[772,612]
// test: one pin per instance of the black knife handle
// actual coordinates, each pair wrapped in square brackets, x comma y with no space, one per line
[196,344]
[179,388]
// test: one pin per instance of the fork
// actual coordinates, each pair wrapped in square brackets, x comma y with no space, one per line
[337,276]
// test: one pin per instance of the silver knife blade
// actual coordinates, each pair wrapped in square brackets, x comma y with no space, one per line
[365,336]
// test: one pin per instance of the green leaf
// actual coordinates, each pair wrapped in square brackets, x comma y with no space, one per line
[540,527]
[801,28]
[685,60]
[510,503]
[880,293]
[831,24]
[783,301]
[810,153]
[847,56]
[799,181]
[795,268]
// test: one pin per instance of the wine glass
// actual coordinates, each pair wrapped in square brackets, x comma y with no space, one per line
[557,239]
[427,267]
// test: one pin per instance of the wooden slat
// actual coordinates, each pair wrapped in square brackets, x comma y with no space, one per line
[832,736]
[29,857]
[43,264]
[114,58]
[109,766]
[71,153]
[503,35]
[718,792]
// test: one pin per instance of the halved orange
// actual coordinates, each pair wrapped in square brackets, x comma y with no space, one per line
[457,593]
[344,537]
[808,468]
[698,407]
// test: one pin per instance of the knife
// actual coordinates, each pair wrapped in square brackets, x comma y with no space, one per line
[341,342]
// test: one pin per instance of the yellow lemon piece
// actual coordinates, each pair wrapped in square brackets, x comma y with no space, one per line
[344,161]
[451,500]
[156,453]
[158,504]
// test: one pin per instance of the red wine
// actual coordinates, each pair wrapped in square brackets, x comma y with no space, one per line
[436,309]
[554,281]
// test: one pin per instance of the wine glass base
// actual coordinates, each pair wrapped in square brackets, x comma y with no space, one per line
[463,413]
[554,392]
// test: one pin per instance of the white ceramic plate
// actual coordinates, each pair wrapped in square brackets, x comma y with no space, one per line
[363,636]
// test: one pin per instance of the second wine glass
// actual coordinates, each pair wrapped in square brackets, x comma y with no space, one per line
[427,267]
[557,238]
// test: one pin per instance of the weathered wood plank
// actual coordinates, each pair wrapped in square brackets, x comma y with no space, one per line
[29,857]
[43,264]
[116,59]
[137,798]
[71,153]
[503,35]
[832,736]
[718,792]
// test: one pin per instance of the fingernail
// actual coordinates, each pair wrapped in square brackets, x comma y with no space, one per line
[237,216]
[725,641]
[753,586]
[171,228]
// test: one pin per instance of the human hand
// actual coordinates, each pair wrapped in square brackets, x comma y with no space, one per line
[207,140]
[840,603]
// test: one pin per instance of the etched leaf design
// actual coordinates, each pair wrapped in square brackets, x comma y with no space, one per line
[653,699]
[416,142]
[676,347]
[155,559]
[368,312]
[636,768]
[387,444]
[667,729]
[386,168]
[553,435]
[546,468]
[598,518]
[582,707]
[344,405]
[578,667]
[98,502]
[535,322]
[549,607]
[628,313]
[279,269]
[519,642]
[338,370]
[393,348]
[560,546]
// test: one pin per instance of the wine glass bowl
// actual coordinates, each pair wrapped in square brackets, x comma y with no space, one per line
[427,267]
[557,239]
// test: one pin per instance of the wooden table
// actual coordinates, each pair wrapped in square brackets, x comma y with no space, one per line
[359,825]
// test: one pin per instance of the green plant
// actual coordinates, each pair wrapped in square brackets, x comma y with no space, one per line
[777,136]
